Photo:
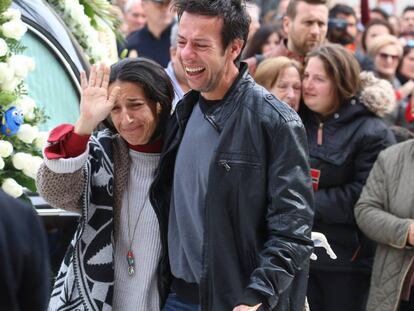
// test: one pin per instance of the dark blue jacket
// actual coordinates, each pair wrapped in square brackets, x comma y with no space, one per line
[350,141]
[24,258]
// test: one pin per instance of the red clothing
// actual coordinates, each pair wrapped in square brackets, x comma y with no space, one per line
[65,143]
[282,50]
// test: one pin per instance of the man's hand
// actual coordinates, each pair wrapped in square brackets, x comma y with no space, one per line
[247,308]
[410,238]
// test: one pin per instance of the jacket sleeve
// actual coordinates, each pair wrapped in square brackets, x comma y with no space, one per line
[335,205]
[61,182]
[289,217]
[371,216]
[34,289]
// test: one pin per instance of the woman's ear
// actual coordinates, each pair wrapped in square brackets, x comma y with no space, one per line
[158,108]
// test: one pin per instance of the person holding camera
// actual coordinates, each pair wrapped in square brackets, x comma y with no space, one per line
[343,29]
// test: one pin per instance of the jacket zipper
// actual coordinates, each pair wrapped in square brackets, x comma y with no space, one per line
[319,138]
[225,165]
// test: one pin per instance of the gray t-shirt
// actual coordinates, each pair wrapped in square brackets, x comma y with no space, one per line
[186,222]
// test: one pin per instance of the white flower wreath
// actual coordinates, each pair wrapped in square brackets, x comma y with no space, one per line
[80,24]
[20,139]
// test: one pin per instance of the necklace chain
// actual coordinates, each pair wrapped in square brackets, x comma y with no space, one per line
[130,254]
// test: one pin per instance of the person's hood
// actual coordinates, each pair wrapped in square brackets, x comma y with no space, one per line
[377,95]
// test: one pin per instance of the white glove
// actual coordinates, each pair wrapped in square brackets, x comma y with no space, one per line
[319,240]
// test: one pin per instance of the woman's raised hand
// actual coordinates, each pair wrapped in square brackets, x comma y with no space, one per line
[96,103]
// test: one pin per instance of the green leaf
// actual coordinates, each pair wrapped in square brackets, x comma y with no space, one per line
[4,5]
[124,53]
[25,181]
[6,98]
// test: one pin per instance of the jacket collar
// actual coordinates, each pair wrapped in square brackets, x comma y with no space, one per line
[219,116]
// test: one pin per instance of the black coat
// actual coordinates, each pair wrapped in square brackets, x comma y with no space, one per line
[24,258]
[351,141]
[258,203]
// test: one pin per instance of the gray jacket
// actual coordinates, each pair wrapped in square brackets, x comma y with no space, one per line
[384,212]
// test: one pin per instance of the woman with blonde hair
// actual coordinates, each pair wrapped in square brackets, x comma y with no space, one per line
[387,52]
[281,76]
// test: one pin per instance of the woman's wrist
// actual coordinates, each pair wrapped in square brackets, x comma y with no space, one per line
[84,127]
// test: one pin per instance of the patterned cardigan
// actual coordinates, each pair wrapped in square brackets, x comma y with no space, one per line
[86,277]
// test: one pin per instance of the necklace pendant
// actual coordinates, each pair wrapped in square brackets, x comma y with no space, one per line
[131,262]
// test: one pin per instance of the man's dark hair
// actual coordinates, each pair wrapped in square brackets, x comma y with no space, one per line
[408,8]
[381,12]
[341,9]
[291,10]
[155,83]
[233,12]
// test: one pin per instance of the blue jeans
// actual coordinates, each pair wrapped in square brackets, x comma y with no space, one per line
[174,303]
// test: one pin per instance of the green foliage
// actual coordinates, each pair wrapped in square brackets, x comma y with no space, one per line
[6,98]
[4,5]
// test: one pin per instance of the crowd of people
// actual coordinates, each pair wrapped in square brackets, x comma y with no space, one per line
[201,163]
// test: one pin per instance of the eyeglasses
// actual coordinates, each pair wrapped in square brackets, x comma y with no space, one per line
[161,2]
[385,56]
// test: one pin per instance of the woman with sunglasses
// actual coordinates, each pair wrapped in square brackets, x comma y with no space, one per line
[386,52]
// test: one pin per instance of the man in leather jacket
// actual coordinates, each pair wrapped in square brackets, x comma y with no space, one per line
[234,175]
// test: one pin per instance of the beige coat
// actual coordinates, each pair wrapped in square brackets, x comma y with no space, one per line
[384,212]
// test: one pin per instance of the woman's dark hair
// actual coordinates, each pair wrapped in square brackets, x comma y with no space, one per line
[259,39]
[155,83]
[233,12]
[406,50]
[371,23]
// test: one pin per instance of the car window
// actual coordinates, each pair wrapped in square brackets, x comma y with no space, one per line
[50,84]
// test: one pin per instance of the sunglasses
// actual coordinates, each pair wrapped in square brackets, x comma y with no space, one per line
[161,2]
[385,56]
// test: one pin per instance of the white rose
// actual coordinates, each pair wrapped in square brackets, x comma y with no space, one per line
[10,85]
[32,167]
[27,133]
[6,73]
[6,148]
[12,14]
[40,141]
[3,47]
[21,159]
[11,187]
[1,163]
[27,105]
[21,65]
[14,29]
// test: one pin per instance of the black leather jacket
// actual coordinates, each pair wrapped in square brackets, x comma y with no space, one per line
[259,201]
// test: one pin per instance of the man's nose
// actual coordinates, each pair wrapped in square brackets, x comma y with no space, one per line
[186,51]
[315,29]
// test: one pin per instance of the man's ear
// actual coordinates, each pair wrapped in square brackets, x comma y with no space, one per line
[236,47]
[286,24]
[173,52]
